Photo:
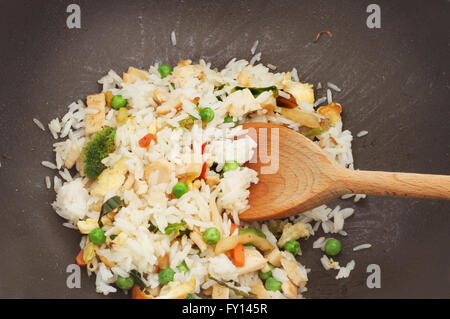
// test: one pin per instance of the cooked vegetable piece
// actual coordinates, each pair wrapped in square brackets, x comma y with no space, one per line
[146,140]
[207,114]
[302,118]
[284,102]
[79,259]
[211,235]
[257,91]
[272,284]
[238,255]
[125,283]
[165,276]
[292,246]
[229,243]
[122,116]
[331,111]
[252,230]
[117,102]
[268,274]
[190,296]
[97,236]
[183,267]
[174,227]
[108,206]
[96,150]
[236,291]
[230,166]
[138,279]
[180,189]
[333,247]
[165,70]
[188,122]
[311,133]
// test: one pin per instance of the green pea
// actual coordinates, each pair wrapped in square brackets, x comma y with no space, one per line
[125,283]
[268,274]
[253,231]
[165,276]
[211,235]
[333,247]
[292,246]
[165,70]
[117,102]
[230,166]
[97,236]
[190,296]
[207,114]
[180,189]
[183,267]
[272,284]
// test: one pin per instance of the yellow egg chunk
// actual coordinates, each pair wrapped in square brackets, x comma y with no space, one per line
[302,91]
[110,179]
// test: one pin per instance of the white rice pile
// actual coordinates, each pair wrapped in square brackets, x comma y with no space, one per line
[143,178]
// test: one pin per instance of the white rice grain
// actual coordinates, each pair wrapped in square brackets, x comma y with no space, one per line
[333,87]
[271,66]
[173,38]
[319,101]
[362,133]
[48,183]
[255,45]
[39,124]
[361,247]
[255,58]
[48,164]
[329,96]
[294,75]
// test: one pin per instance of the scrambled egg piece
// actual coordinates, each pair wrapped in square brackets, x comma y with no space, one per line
[301,91]
[332,111]
[110,179]
[88,225]
[293,232]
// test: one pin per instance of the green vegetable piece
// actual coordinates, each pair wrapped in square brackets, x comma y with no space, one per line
[188,122]
[96,150]
[272,284]
[117,102]
[180,189]
[333,247]
[165,276]
[252,230]
[183,232]
[257,91]
[137,279]
[207,114]
[108,206]
[125,283]
[211,236]
[220,87]
[183,267]
[174,227]
[165,70]
[152,228]
[313,132]
[113,236]
[230,166]
[292,246]
[190,296]
[268,274]
[97,236]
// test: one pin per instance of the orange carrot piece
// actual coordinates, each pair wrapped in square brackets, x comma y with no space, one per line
[233,228]
[238,255]
[79,259]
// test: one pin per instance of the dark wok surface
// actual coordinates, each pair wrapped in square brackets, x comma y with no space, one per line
[395,84]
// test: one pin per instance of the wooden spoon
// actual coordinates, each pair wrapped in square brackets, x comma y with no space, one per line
[300,176]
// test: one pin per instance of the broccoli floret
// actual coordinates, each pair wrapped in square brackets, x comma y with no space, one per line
[96,150]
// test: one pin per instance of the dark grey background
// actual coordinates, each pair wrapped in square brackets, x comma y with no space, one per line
[395,84]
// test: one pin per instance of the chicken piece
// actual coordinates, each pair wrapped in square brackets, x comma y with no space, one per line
[253,261]
[190,167]
[79,165]
[289,289]
[293,232]
[158,172]
[108,97]
[72,155]
[260,291]
[270,104]
[274,257]
[185,70]
[159,96]
[331,111]
[169,106]
[220,292]
[243,78]
[302,118]
[94,121]
[134,75]
[197,238]
[241,102]
[164,261]
[295,272]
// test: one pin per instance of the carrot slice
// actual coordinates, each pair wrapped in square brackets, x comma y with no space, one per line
[233,228]
[79,259]
[238,255]
[145,141]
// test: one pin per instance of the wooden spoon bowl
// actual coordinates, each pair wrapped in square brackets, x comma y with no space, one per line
[295,175]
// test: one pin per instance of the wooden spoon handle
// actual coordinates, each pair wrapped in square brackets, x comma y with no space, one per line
[397,184]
